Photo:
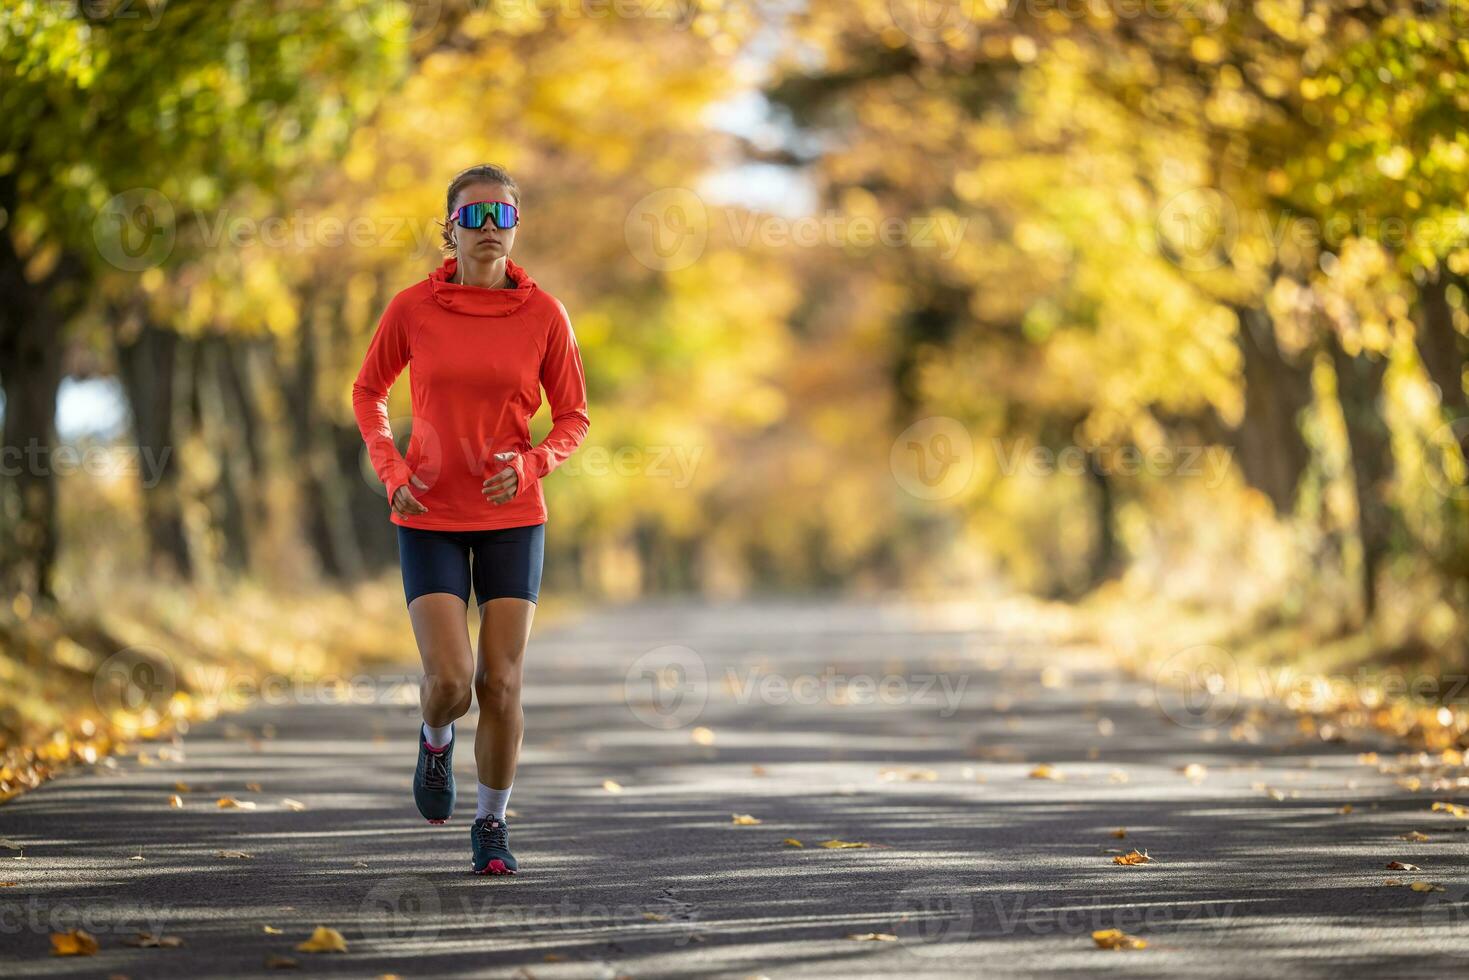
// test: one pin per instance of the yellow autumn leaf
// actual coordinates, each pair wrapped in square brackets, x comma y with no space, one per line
[1120,832]
[1194,772]
[1424,886]
[874,937]
[295,805]
[77,942]
[1453,809]
[272,930]
[176,802]
[792,842]
[655,917]
[324,940]
[702,735]
[1414,835]
[1117,939]
[181,787]
[743,819]
[230,803]
[611,786]
[1046,771]
[1133,856]
[843,843]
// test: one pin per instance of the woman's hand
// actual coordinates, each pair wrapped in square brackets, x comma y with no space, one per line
[404,503]
[503,485]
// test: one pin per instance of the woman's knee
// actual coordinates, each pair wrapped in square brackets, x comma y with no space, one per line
[498,691]
[448,689]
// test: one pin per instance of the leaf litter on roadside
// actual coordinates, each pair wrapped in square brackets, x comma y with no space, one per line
[324,940]
[1117,939]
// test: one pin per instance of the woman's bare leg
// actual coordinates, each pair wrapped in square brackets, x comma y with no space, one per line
[442,632]
[504,632]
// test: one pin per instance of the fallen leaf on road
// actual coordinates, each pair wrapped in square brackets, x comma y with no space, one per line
[1393,883]
[655,917]
[272,931]
[1367,758]
[611,786]
[234,855]
[253,787]
[1046,771]
[844,843]
[1133,856]
[230,803]
[149,940]
[874,937]
[757,770]
[1414,835]
[792,842]
[1194,772]
[1117,939]
[1120,832]
[1346,808]
[1400,866]
[909,775]
[176,802]
[295,805]
[8,884]
[1424,886]
[280,963]
[744,819]
[1453,809]
[1117,776]
[324,940]
[78,942]
[702,735]
[181,787]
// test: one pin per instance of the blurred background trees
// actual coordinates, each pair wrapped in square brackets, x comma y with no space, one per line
[1173,302]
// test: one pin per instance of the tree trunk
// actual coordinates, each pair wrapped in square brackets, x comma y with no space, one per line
[1440,344]
[148,365]
[33,319]
[1359,389]
[326,509]
[1272,452]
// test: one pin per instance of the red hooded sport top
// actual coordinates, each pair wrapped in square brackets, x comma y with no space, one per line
[479,359]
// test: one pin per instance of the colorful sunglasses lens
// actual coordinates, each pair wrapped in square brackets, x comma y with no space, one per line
[475,215]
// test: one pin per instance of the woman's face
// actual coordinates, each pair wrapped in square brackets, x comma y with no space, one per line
[488,243]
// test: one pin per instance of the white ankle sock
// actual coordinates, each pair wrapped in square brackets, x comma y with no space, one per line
[438,737]
[492,802]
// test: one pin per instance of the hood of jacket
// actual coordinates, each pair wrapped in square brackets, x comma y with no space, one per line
[478,300]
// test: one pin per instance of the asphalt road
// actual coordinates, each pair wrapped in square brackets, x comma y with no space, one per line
[699,712]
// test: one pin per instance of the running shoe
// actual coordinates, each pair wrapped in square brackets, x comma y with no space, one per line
[433,780]
[490,839]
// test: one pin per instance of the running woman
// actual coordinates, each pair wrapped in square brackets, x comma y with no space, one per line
[483,340]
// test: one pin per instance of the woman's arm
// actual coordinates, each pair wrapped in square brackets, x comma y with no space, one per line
[566,391]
